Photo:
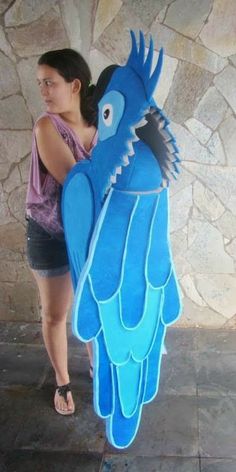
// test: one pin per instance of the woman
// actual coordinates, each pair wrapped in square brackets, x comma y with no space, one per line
[65,134]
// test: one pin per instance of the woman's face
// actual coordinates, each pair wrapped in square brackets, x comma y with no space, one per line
[58,95]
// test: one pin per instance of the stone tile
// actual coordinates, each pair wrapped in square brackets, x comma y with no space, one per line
[147,10]
[176,45]
[218,465]
[19,301]
[9,83]
[14,408]
[189,288]
[20,333]
[161,16]
[74,342]
[217,424]
[166,79]
[40,461]
[182,205]
[233,59]
[13,180]
[9,255]
[219,32]
[104,16]
[227,225]
[199,316]
[225,83]
[127,463]
[9,271]
[16,202]
[231,203]
[24,166]
[46,430]
[15,144]
[182,266]
[27,69]
[192,18]
[207,254]
[78,20]
[227,132]
[216,374]
[79,371]
[14,114]
[111,42]
[215,147]
[178,374]
[24,274]
[184,181]
[33,39]
[231,248]
[11,237]
[5,215]
[98,62]
[200,131]
[189,85]
[168,428]
[181,340]
[231,323]
[211,109]
[5,46]
[4,5]
[222,181]
[191,149]
[218,291]
[178,242]
[22,13]
[19,366]
[207,202]
[216,340]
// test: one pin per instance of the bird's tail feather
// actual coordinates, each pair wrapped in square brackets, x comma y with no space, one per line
[122,430]
[102,378]
[154,364]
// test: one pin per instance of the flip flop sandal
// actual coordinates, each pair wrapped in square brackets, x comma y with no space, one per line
[62,390]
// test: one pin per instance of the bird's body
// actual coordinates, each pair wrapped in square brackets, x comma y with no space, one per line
[126,292]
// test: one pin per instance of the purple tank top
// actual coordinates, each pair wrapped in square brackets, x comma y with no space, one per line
[43,201]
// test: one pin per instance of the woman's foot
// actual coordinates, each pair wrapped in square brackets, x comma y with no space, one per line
[63,400]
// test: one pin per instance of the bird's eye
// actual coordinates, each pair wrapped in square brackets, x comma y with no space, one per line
[111,109]
[107,114]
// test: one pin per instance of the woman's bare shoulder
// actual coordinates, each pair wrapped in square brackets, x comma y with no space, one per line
[53,151]
[44,123]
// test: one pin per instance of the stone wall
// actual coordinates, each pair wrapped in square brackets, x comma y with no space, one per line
[197,91]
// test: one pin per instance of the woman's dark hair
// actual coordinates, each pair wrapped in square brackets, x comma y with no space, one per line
[102,83]
[71,65]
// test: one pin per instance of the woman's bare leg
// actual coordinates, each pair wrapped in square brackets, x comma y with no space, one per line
[56,296]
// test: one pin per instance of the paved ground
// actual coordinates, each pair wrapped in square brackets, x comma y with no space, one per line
[190,427]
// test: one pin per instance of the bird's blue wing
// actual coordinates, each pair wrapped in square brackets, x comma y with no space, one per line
[78,213]
[130,282]
[78,216]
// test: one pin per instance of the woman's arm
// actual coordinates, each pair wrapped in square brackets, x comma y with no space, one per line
[53,151]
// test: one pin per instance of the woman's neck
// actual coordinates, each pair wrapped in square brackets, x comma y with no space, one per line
[74,119]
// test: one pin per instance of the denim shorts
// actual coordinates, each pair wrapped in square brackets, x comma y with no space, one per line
[46,254]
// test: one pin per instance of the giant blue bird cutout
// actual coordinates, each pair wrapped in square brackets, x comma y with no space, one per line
[115,213]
